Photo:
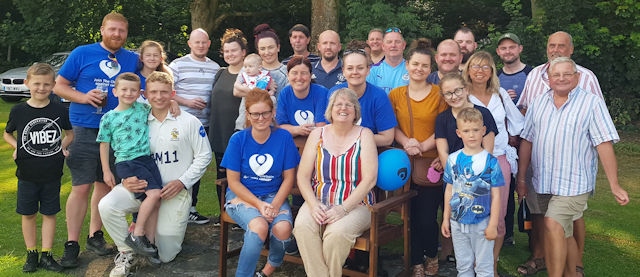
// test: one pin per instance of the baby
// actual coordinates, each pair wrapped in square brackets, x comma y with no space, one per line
[252,76]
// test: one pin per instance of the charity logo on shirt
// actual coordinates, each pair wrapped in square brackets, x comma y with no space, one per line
[261,163]
[41,137]
[304,117]
[110,68]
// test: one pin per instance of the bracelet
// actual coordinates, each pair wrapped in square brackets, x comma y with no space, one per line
[344,209]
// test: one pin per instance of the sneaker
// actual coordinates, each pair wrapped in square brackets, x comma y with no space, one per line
[141,245]
[195,217]
[155,260]
[31,265]
[236,227]
[216,221]
[509,241]
[292,249]
[260,274]
[70,255]
[98,245]
[417,271]
[47,262]
[123,261]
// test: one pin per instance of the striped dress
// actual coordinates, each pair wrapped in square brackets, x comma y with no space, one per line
[338,176]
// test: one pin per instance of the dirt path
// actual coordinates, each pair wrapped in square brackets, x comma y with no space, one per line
[199,258]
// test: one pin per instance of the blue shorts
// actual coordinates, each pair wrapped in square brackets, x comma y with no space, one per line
[38,196]
[84,157]
[243,214]
[143,167]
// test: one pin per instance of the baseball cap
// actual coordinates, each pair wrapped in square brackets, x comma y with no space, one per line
[510,36]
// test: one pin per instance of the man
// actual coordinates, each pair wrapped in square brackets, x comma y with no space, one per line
[182,153]
[328,71]
[564,126]
[448,59]
[512,78]
[88,67]
[193,76]
[374,40]
[299,38]
[514,73]
[392,72]
[467,41]
[559,44]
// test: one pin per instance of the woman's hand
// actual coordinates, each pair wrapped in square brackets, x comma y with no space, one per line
[335,213]
[318,213]
[267,211]
[437,165]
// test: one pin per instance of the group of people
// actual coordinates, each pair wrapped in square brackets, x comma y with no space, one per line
[146,154]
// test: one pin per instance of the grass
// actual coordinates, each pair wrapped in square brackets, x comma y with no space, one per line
[612,245]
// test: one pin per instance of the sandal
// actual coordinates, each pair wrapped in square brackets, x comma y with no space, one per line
[580,271]
[431,266]
[532,266]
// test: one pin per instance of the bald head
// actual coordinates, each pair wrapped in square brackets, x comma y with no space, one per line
[559,44]
[199,43]
[329,45]
[449,56]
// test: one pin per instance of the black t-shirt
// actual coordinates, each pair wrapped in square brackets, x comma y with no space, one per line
[39,156]
[446,127]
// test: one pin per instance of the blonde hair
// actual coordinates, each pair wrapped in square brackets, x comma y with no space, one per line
[493,84]
[351,96]
[160,77]
[151,43]
[41,69]
[253,57]
[127,76]
[472,115]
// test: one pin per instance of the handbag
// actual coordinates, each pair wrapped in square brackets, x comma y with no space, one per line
[419,165]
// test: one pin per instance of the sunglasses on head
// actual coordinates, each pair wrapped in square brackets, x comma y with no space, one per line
[393,30]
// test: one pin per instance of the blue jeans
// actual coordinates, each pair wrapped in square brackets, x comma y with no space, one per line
[250,253]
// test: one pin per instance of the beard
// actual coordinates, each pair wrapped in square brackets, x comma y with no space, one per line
[465,57]
[329,58]
[113,43]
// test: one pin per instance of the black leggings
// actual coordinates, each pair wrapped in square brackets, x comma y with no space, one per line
[425,230]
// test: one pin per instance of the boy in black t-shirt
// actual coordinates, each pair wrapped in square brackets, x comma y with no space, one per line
[40,150]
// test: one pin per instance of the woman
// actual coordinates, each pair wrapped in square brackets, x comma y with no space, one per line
[482,82]
[260,172]
[335,211]
[377,113]
[152,58]
[415,133]
[301,105]
[224,106]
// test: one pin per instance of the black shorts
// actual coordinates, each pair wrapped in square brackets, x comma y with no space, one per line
[44,197]
[144,168]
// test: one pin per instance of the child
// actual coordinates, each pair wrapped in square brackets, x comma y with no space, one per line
[252,76]
[472,198]
[125,130]
[39,155]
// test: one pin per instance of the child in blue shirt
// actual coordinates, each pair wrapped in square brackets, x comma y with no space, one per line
[472,198]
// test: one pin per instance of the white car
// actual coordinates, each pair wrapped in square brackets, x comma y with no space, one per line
[12,87]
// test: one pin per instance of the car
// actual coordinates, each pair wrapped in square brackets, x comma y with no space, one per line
[12,88]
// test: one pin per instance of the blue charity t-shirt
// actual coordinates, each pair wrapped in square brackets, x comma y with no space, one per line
[472,178]
[86,67]
[327,79]
[387,77]
[376,110]
[514,81]
[295,111]
[446,126]
[261,165]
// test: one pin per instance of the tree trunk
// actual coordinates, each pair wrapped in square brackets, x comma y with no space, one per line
[537,13]
[324,16]
[203,14]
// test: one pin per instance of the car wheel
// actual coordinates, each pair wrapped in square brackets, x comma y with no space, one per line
[11,99]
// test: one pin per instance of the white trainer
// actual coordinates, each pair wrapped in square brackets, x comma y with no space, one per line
[123,261]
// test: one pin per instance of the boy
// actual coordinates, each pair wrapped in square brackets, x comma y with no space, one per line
[473,180]
[125,130]
[39,155]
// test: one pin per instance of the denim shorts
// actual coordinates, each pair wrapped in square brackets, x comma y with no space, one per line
[38,196]
[84,157]
[243,214]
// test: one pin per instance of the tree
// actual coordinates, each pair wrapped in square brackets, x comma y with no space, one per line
[324,16]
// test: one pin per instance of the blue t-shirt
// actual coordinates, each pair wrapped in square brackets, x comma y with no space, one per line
[446,127]
[86,67]
[472,178]
[514,81]
[387,77]
[261,165]
[377,112]
[327,79]
[295,111]
[433,78]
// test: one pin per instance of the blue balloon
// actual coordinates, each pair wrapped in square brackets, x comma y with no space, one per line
[394,169]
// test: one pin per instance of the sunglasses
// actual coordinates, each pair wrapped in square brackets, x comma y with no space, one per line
[393,30]
[354,51]
[113,58]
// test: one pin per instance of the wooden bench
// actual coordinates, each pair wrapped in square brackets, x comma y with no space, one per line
[380,232]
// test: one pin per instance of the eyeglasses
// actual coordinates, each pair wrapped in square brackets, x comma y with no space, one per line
[479,67]
[113,58]
[264,115]
[456,92]
[354,51]
[557,76]
[344,105]
[393,30]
